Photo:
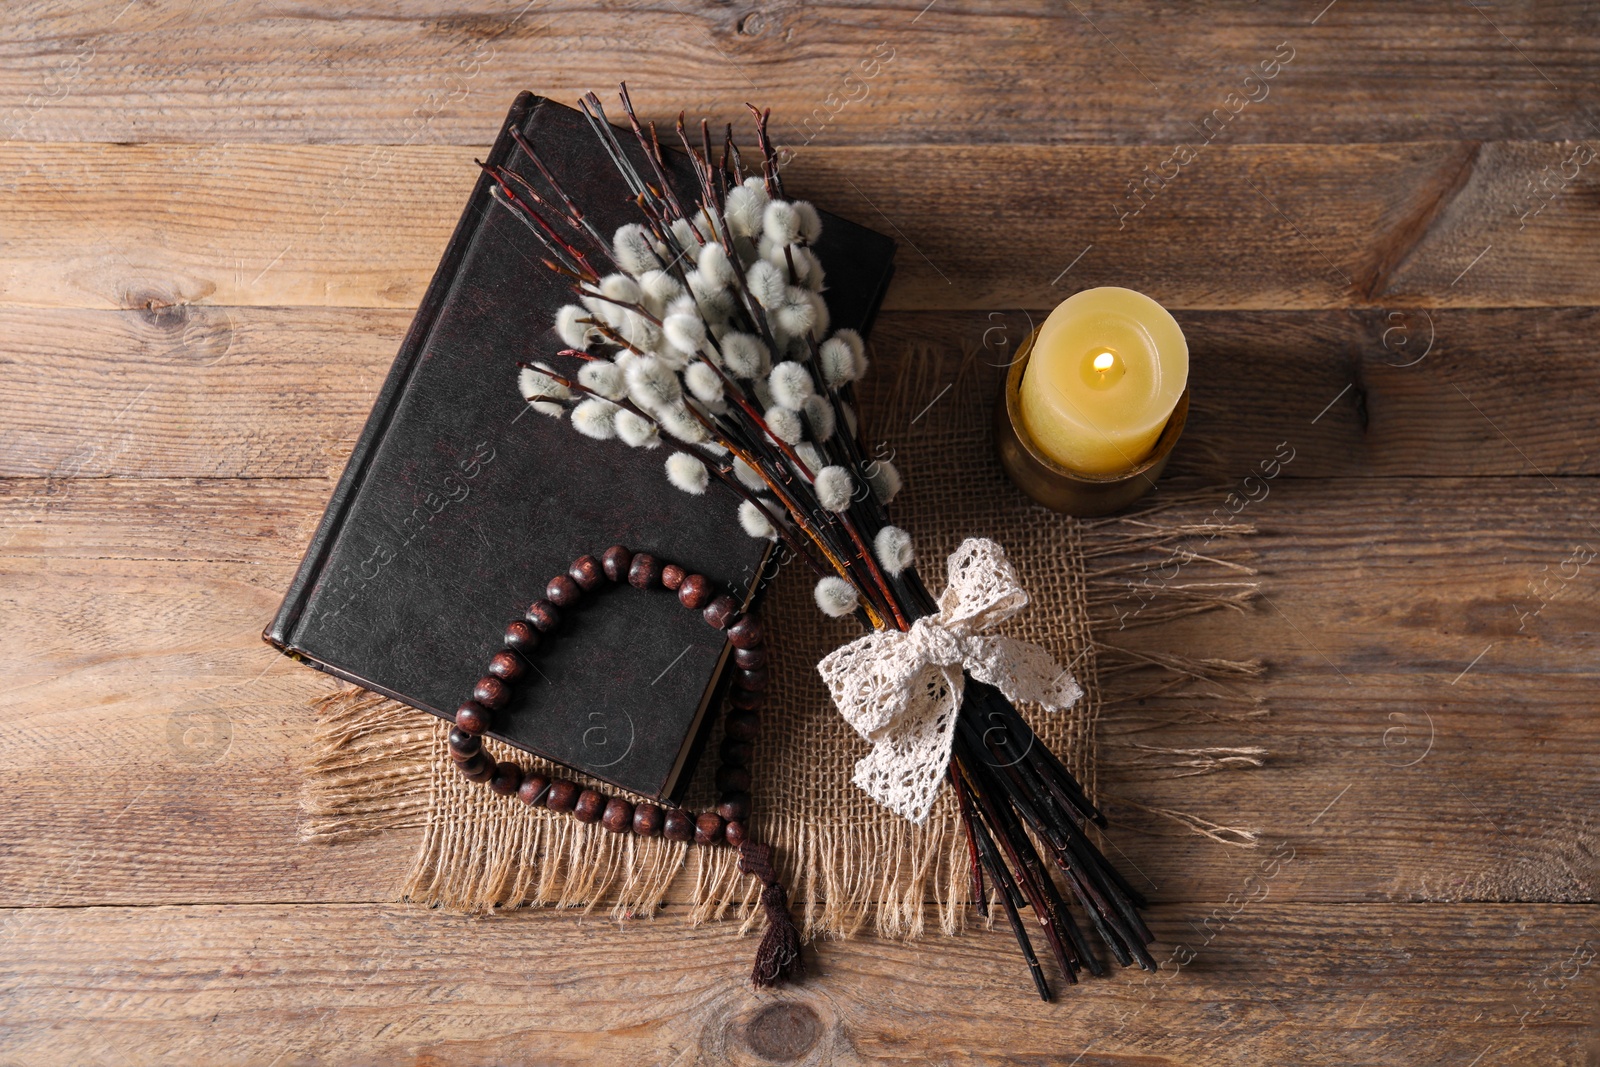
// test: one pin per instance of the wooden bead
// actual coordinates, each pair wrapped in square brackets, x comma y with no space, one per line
[562,591]
[743,725]
[521,635]
[708,828]
[533,790]
[585,570]
[478,768]
[480,775]
[589,806]
[746,633]
[647,820]
[563,795]
[695,592]
[718,613]
[616,561]
[734,804]
[735,779]
[544,615]
[644,571]
[734,833]
[672,575]
[618,816]
[754,681]
[507,779]
[749,658]
[507,665]
[745,700]
[472,717]
[464,743]
[491,692]
[678,825]
[736,753]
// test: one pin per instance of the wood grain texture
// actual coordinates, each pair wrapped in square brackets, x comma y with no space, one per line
[1365,392]
[158,741]
[1261,982]
[216,219]
[226,389]
[1429,224]
[200,392]
[835,73]
[1369,619]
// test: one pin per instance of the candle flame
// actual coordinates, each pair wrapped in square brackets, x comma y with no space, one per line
[1103,361]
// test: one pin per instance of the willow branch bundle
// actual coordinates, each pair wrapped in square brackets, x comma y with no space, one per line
[707,337]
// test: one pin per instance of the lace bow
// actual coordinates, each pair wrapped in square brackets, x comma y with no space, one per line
[901,690]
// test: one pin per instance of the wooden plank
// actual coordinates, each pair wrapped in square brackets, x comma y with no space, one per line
[1404,623]
[193,392]
[834,73]
[1267,227]
[1365,392]
[1251,981]
[259,524]
[128,624]
[211,181]
[235,391]
[242,235]
[155,741]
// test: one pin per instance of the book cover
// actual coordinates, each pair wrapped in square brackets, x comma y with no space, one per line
[459,503]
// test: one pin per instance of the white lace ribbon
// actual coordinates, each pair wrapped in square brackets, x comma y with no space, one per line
[901,690]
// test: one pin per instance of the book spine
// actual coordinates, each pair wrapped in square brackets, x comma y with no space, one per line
[280,632]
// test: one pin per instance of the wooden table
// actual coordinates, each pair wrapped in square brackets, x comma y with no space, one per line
[218,217]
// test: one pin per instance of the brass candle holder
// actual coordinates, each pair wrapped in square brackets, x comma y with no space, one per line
[1060,488]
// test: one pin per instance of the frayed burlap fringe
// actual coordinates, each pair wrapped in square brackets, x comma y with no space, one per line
[379,765]
[1234,836]
[849,865]
[489,851]
[369,768]
[1146,571]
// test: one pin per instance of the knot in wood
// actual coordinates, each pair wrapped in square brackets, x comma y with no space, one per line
[783,1032]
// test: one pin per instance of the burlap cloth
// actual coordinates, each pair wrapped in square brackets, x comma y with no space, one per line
[848,863]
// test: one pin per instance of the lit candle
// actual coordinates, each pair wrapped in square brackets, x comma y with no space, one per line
[1106,370]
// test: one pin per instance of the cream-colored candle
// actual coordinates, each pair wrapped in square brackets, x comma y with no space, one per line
[1107,368]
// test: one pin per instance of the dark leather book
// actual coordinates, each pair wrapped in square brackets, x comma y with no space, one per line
[459,503]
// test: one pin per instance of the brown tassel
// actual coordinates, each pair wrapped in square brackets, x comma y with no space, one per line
[778,956]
